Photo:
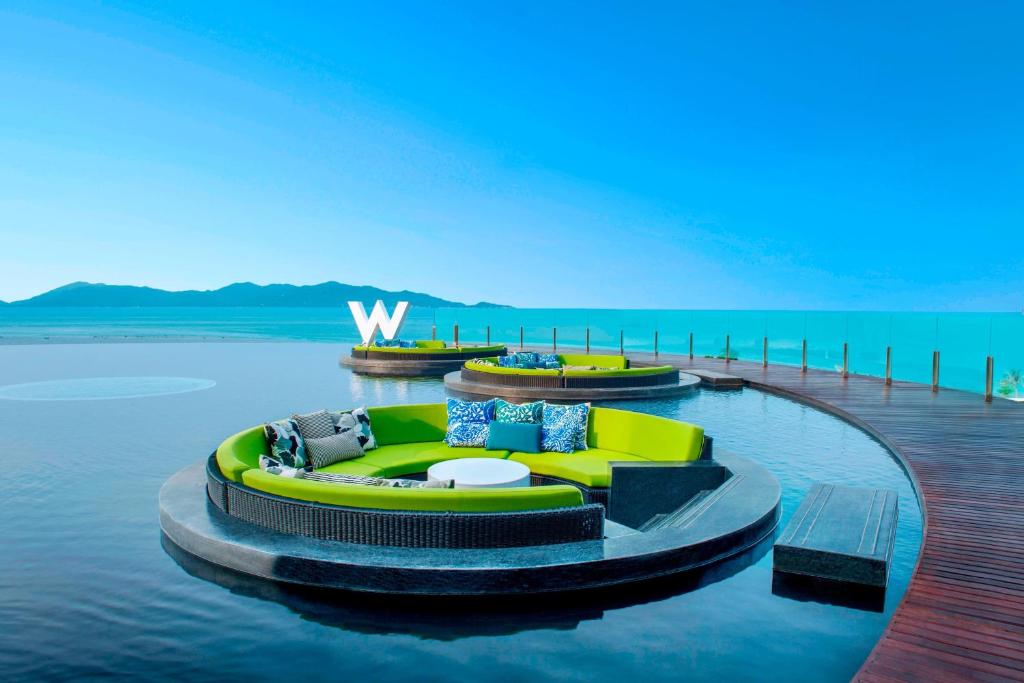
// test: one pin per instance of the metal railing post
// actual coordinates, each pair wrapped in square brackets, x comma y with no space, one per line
[764,354]
[803,357]
[691,346]
[726,349]
[554,339]
[520,337]
[488,335]
[888,366]
[846,359]
[989,368]
[433,333]
[588,340]
[655,343]
[935,370]
[622,342]
[456,334]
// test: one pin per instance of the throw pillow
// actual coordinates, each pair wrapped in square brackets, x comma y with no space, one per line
[506,361]
[378,481]
[286,446]
[547,358]
[359,420]
[525,357]
[315,425]
[328,450]
[565,428]
[268,464]
[518,412]
[514,436]
[470,411]
[467,435]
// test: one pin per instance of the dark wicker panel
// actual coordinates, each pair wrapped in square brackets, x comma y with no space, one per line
[598,496]
[407,528]
[561,382]
[466,354]
[541,381]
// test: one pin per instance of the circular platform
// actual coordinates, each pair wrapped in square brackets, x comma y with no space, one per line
[417,363]
[743,512]
[456,382]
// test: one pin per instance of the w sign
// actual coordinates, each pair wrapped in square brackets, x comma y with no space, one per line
[378,320]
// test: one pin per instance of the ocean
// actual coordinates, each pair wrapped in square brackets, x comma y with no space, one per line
[964,340]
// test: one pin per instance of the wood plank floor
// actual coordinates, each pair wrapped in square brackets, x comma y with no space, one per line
[962,617]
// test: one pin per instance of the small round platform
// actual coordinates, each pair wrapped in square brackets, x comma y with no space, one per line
[735,517]
[457,382]
[417,363]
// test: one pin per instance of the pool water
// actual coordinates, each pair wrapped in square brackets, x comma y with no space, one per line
[88,588]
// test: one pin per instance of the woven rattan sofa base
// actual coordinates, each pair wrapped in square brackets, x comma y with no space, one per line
[572,382]
[409,529]
[463,355]
[597,496]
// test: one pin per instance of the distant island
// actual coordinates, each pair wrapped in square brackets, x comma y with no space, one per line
[323,295]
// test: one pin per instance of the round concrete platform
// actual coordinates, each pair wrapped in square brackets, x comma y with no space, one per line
[744,511]
[400,368]
[455,383]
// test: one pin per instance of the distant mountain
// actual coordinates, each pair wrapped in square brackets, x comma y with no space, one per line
[323,295]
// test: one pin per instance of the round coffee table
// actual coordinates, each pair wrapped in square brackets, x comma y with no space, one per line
[480,473]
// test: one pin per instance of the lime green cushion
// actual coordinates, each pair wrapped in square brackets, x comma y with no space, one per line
[408,458]
[590,467]
[352,467]
[241,452]
[429,344]
[601,361]
[649,436]
[406,424]
[438,500]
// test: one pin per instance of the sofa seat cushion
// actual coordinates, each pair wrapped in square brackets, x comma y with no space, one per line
[589,467]
[355,466]
[408,458]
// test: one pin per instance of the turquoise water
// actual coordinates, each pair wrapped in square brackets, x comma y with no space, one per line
[964,339]
[88,590]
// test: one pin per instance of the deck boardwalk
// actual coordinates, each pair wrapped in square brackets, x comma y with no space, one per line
[962,617]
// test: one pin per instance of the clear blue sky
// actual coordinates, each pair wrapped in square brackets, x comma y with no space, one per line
[715,155]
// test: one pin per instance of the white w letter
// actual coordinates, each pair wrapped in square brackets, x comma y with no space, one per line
[378,319]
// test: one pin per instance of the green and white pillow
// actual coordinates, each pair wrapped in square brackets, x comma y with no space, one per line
[358,420]
[286,445]
[377,481]
[526,413]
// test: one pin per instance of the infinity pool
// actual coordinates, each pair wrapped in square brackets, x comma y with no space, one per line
[87,588]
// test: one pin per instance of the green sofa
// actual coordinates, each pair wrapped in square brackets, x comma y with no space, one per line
[411,438]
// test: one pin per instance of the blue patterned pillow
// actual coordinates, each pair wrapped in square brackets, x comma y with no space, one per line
[506,361]
[286,446]
[518,412]
[468,423]
[470,411]
[467,434]
[525,357]
[564,428]
[552,365]
[548,358]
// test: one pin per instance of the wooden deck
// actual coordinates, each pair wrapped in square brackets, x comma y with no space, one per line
[962,617]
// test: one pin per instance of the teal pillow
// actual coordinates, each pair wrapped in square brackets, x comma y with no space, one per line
[514,436]
[518,412]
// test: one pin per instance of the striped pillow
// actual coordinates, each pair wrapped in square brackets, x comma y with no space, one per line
[334,448]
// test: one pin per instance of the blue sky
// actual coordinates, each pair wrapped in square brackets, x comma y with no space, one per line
[711,155]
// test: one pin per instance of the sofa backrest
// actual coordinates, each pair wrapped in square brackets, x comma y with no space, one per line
[429,344]
[407,424]
[649,436]
[241,452]
[601,361]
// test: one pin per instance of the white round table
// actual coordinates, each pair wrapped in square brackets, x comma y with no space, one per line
[479,473]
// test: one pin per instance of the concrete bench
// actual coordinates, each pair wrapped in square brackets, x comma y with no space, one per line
[842,534]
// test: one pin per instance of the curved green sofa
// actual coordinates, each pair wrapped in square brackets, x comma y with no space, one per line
[411,438]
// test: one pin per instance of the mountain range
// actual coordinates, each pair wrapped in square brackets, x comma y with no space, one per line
[325,294]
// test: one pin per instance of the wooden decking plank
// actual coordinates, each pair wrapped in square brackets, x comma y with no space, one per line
[962,617]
